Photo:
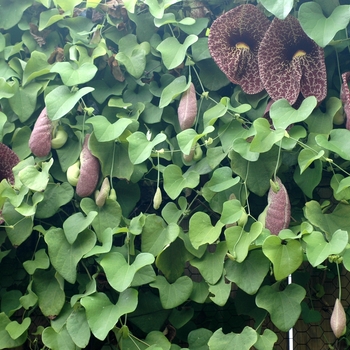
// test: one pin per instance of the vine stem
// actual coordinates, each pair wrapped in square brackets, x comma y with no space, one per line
[339,282]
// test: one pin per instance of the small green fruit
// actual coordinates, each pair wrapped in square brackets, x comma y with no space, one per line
[73,173]
[60,138]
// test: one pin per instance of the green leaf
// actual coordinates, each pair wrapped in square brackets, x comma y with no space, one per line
[318,249]
[156,235]
[283,306]
[171,213]
[36,66]
[232,211]
[157,8]
[175,294]
[310,177]
[55,196]
[16,330]
[34,179]
[279,8]
[175,181]
[283,114]
[239,241]
[23,103]
[62,100]
[140,148]
[65,256]
[102,315]
[201,231]
[188,138]
[306,157]
[5,339]
[286,256]
[109,216]
[172,90]
[67,5]
[49,17]
[265,137]
[320,28]
[57,340]
[119,273]
[135,63]
[242,341]
[250,273]
[211,265]
[41,261]
[78,327]
[198,339]
[18,228]
[266,340]
[12,11]
[173,52]
[220,292]
[74,74]
[338,142]
[105,131]
[77,223]
[172,260]
[329,223]
[47,287]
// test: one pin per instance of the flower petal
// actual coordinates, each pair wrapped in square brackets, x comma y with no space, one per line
[290,62]
[8,159]
[234,40]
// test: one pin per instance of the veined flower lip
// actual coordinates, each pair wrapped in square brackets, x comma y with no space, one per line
[345,97]
[291,63]
[8,159]
[234,40]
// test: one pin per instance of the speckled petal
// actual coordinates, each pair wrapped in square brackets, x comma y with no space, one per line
[8,159]
[285,74]
[244,24]
[345,97]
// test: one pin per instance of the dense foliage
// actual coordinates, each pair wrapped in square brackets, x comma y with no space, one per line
[129,161]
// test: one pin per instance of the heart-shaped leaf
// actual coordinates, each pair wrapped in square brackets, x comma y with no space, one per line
[156,235]
[320,28]
[201,231]
[242,341]
[266,340]
[102,315]
[172,90]
[72,74]
[77,223]
[5,339]
[220,292]
[140,148]
[250,273]
[41,261]
[239,241]
[78,327]
[338,142]
[65,256]
[211,265]
[16,330]
[283,306]
[286,256]
[279,8]
[283,114]
[62,100]
[58,340]
[175,181]
[119,273]
[173,52]
[175,294]
[105,131]
[318,249]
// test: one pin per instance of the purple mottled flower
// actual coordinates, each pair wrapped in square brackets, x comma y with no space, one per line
[291,63]
[345,97]
[234,41]
[8,159]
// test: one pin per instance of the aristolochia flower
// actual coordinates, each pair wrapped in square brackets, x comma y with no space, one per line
[345,97]
[234,40]
[8,159]
[291,63]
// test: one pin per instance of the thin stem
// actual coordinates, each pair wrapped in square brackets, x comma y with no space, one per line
[339,282]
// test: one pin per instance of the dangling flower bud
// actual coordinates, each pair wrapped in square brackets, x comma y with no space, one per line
[40,139]
[103,193]
[187,110]
[89,171]
[157,199]
[338,319]
[278,210]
